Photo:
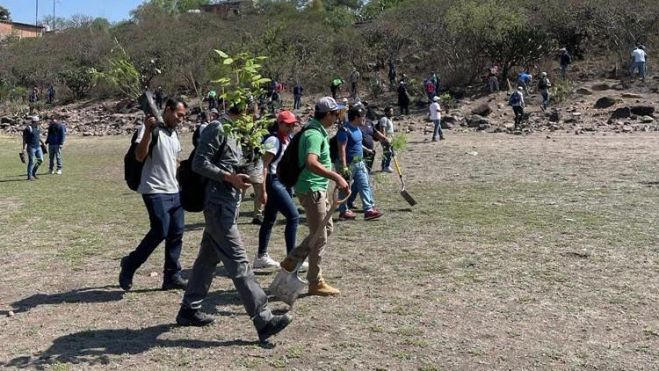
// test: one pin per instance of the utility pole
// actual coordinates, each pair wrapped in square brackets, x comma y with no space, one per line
[54,19]
[36,15]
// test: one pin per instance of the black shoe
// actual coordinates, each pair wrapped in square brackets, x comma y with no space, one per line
[276,324]
[176,282]
[193,317]
[125,275]
[256,221]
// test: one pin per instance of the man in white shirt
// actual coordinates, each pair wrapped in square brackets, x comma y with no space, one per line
[158,149]
[639,56]
[385,127]
[436,118]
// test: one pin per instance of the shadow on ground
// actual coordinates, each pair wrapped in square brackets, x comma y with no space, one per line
[102,294]
[95,347]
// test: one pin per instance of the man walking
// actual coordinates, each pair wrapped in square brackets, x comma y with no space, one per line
[543,86]
[217,158]
[435,116]
[354,83]
[32,144]
[311,189]
[351,159]
[55,141]
[524,80]
[516,101]
[158,149]
[385,127]
[403,98]
[639,55]
[565,61]
[297,95]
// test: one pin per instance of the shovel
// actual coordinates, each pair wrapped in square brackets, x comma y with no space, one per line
[408,197]
[287,286]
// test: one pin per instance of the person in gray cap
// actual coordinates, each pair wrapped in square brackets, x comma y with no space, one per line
[32,144]
[311,189]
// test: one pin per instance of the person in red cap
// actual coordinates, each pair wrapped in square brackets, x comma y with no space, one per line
[278,197]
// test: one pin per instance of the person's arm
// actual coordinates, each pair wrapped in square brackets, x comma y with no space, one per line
[379,136]
[24,146]
[314,165]
[210,142]
[342,141]
[142,149]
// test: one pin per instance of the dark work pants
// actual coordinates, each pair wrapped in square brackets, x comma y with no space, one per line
[167,220]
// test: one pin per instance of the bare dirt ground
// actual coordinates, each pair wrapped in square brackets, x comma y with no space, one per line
[525,252]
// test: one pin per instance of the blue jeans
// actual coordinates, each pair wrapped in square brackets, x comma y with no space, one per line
[437,133]
[563,71]
[35,158]
[359,186]
[545,98]
[280,199]
[55,154]
[167,220]
[297,100]
[640,66]
[386,157]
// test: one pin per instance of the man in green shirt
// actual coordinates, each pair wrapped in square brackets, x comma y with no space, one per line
[311,189]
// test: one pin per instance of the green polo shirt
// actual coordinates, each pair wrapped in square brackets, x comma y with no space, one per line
[313,141]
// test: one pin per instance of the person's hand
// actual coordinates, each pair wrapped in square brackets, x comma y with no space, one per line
[342,184]
[345,172]
[240,181]
[368,151]
[150,122]
[263,195]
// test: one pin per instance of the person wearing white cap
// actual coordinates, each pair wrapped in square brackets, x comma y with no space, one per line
[32,144]
[311,189]
[435,117]
[516,101]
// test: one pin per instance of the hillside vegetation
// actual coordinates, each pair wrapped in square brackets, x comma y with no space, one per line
[315,42]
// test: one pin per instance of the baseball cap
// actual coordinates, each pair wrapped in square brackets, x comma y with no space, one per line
[286,117]
[328,104]
[436,98]
[357,111]
[215,111]
[35,118]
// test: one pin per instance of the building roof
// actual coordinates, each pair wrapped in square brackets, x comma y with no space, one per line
[22,24]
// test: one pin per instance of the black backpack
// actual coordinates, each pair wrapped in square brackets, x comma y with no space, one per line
[334,145]
[193,185]
[132,167]
[289,169]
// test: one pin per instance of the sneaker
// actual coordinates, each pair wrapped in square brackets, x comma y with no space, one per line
[257,221]
[275,326]
[175,282]
[59,172]
[265,261]
[193,317]
[125,275]
[31,179]
[321,288]
[372,214]
[387,170]
[304,267]
[35,176]
[51,172]
[347,215]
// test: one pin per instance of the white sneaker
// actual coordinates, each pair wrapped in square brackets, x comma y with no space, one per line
[304,267]
[265,261]
[51,172]
[59,172]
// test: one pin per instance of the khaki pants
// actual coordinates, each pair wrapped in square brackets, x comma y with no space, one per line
[316,206]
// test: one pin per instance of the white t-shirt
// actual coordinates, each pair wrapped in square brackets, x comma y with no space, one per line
[435,108]
[159,171]
[639,55]
[271,145]
[387,126]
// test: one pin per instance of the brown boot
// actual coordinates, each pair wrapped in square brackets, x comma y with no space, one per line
[288,264]
[321,288]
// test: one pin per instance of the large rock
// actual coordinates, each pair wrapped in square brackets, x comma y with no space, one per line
[482,110]
[601,87]
[475,121]
[605,102]
[621,113]
[584,91]
[554,116]
[643,110]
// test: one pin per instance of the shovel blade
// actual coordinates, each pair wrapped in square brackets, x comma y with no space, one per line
[408,197]
[287,286]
